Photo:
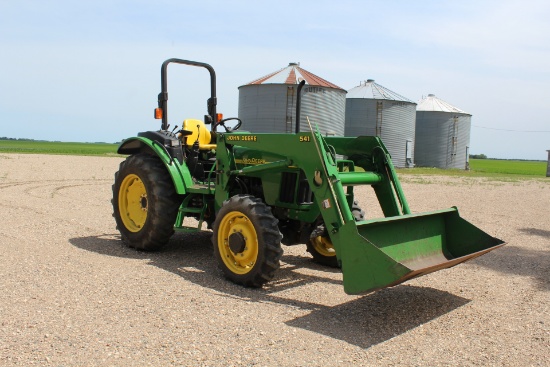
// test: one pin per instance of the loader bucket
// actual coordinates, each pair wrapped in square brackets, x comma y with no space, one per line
[388,251]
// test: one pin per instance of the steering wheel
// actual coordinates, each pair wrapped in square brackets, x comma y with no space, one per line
[227,129]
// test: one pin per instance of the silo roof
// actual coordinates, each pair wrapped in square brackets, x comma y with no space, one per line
[293,74]
[432,103]
[371,90]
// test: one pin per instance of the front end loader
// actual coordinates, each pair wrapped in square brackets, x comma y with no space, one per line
[258,192]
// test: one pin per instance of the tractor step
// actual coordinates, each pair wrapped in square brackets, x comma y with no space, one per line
[191,210]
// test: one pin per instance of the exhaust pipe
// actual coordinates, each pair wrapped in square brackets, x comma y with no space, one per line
[298,100]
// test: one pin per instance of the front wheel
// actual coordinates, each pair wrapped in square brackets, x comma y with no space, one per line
[320,246]
[145,202]
[247,241]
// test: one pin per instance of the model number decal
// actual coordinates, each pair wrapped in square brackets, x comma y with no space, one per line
[305,139]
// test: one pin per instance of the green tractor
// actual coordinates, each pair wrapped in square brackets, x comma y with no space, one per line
[256,196]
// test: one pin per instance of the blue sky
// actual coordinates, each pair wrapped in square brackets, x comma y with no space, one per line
[90,70]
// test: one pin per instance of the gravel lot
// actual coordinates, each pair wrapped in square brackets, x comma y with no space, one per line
[72,295]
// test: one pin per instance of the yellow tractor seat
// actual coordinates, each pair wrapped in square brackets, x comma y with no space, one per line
[198,130]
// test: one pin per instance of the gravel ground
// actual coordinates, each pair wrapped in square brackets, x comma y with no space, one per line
[73,295]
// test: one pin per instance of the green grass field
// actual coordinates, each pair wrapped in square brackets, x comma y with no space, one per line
[488,168]
[46,147]
[528,168]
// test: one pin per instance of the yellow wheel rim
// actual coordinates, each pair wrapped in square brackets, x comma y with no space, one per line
[237,242]
[323,246]
[132,203]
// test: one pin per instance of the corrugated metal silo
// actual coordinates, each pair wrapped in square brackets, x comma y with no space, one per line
[268,104]
[374,110]
[442,134]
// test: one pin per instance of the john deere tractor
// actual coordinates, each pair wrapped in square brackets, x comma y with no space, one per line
[258,192]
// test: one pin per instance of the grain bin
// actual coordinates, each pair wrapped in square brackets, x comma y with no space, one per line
[374,110]
[442,134]
[268,104]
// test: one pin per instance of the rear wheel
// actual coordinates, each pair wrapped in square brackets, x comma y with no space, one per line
[247,241]
[320,246]
[145,202]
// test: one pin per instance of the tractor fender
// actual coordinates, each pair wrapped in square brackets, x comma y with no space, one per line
[178,171]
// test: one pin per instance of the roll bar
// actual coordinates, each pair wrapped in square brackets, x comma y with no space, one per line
[163,95]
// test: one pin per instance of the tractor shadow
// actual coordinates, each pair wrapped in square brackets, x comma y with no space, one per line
[363,321]
[522,261]
[536,232]
[380,316]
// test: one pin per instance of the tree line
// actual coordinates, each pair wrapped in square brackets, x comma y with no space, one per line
[478,156]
